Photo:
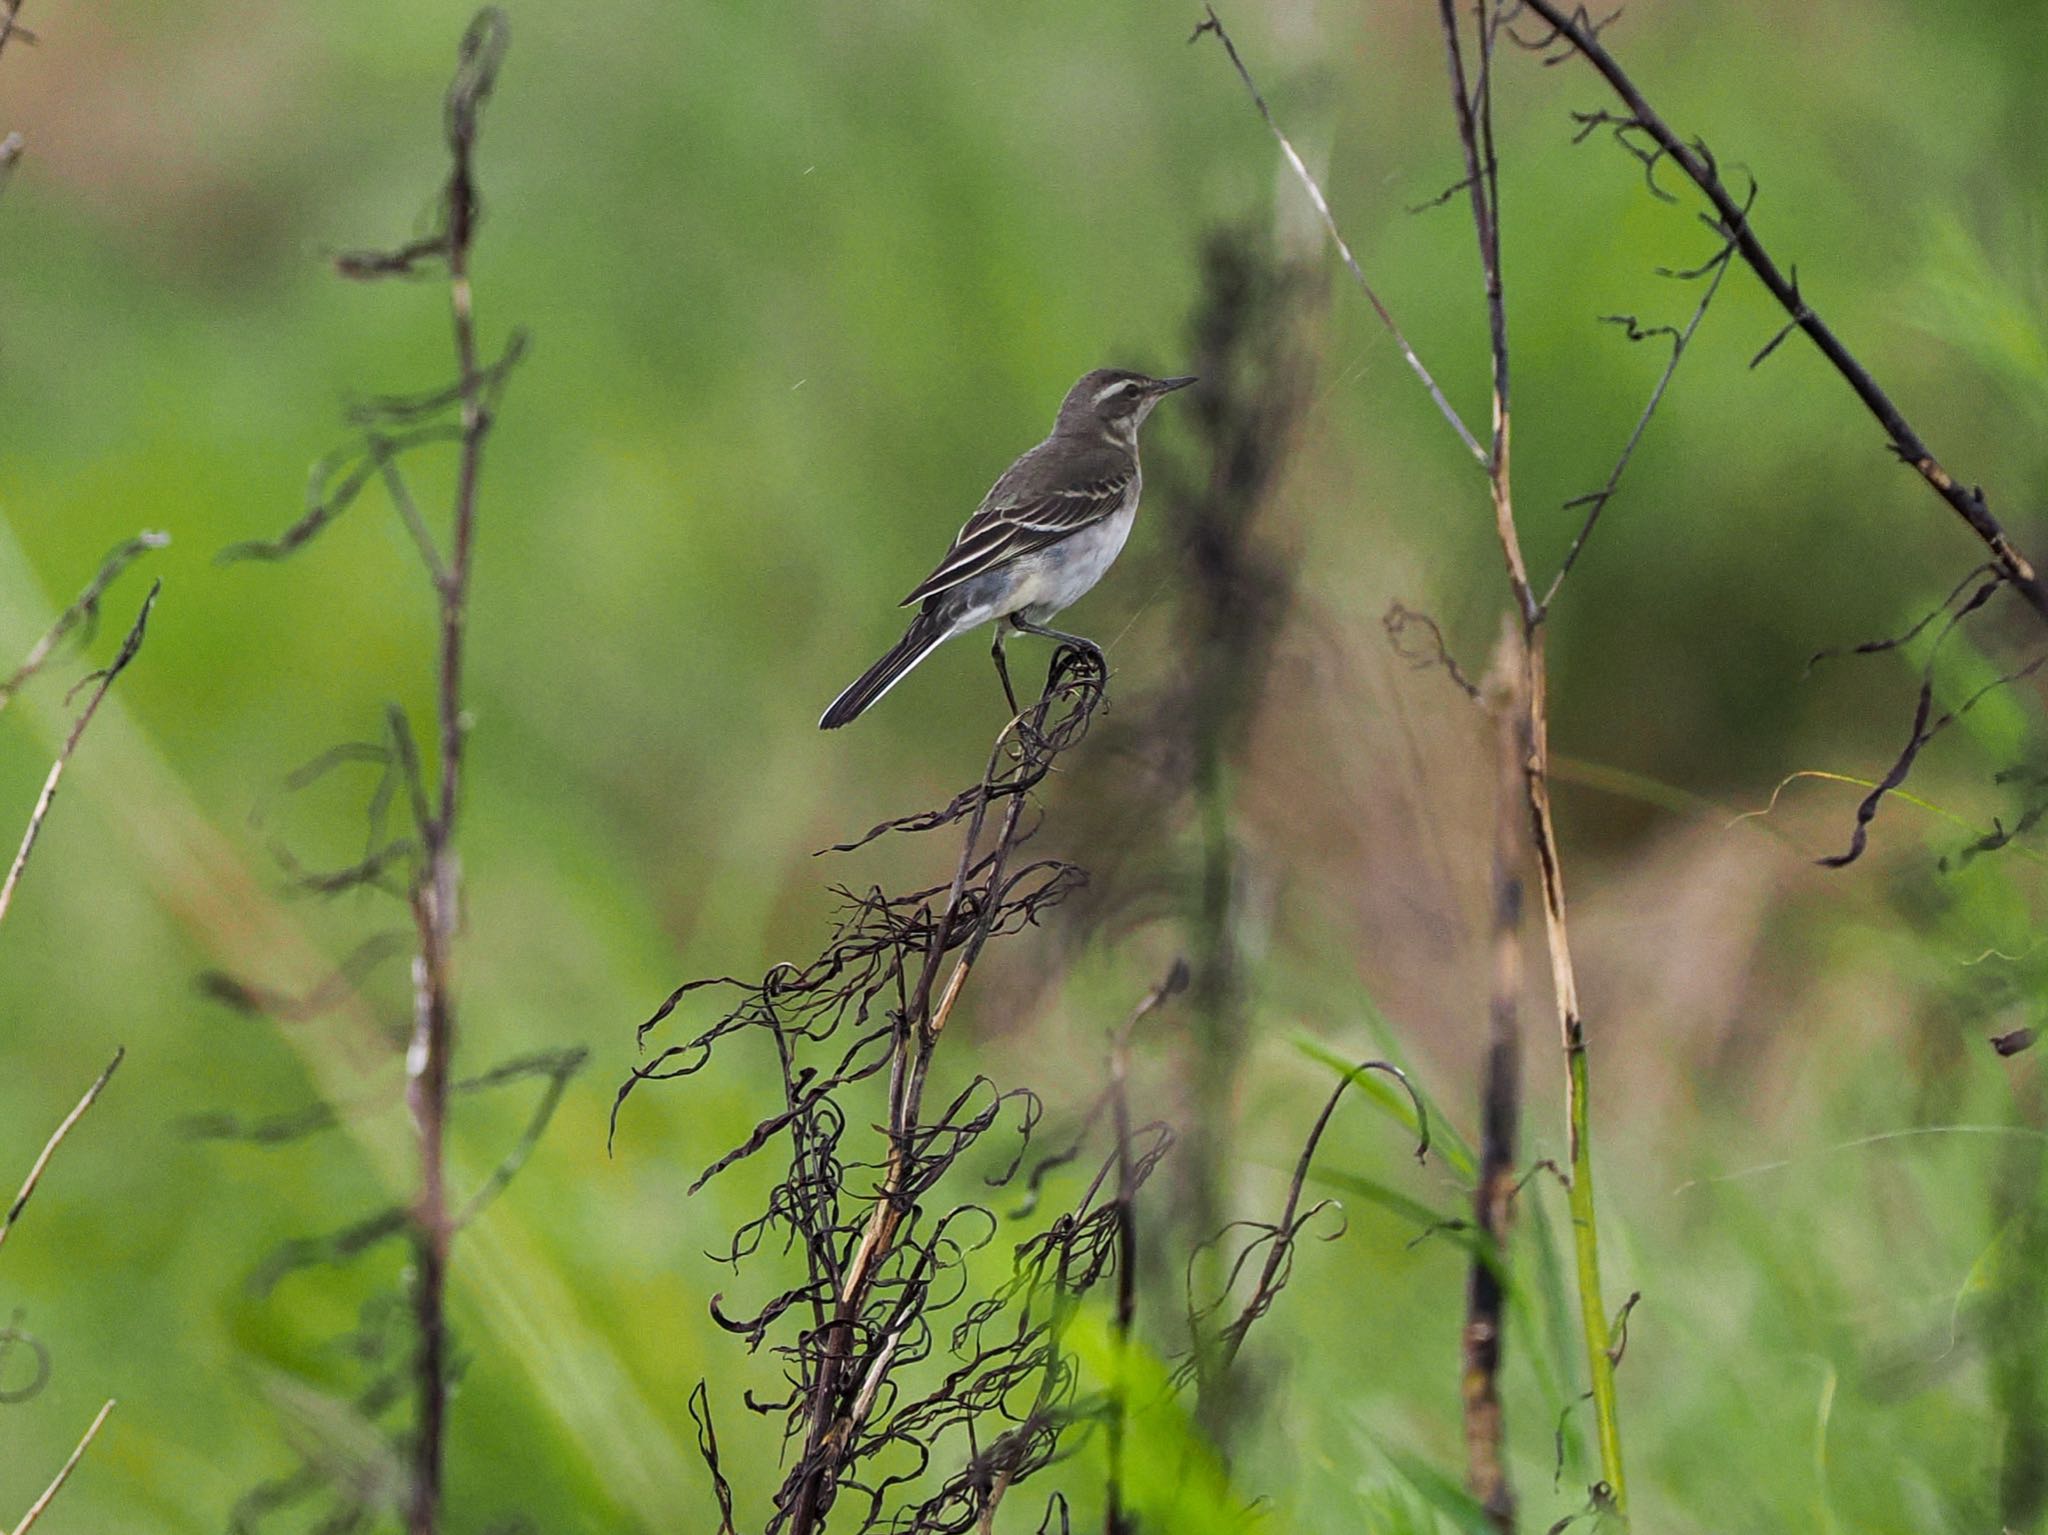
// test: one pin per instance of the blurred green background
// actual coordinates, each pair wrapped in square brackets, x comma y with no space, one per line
[802,278]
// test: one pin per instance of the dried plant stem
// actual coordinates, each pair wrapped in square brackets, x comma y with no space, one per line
[1117,1519]
[1572,27]
[1594,1326]
[50,1492]
[101,683]
[1472,104]
[436,892]
[83,614]
[1500,1104]
[837,1406]
[35,1173]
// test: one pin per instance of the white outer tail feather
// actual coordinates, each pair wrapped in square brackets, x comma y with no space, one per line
[873,685]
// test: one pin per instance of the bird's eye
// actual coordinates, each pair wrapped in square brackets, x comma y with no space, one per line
[1116,391]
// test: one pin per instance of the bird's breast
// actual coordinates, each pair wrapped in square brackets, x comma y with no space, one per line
[1062,574]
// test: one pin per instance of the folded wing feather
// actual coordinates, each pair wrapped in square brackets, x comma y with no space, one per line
[1003,530]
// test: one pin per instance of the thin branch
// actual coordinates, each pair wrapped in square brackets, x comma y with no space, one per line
[11,27]
[415,524]
[1596,503]
[1918,627]
[1433,654]
[334,484]
[35,1173]
[36,1508]
[1968,502]
[1023,754]
[1214,25]
[1925,729]
[436,894]
[84,612]
[1280,1236]
[103,680]
[330,992]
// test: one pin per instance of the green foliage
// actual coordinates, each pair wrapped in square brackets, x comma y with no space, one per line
[801,279]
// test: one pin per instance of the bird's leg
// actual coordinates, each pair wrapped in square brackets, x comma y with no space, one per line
[1082,646]
[1003,670]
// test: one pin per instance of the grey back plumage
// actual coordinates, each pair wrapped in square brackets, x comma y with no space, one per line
[1083,472]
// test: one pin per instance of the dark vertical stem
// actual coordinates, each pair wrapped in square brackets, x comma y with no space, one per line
[1117,1520]
[437,893]
[1248,347]
[1216,1002]
[427,1101]
[1500,1112]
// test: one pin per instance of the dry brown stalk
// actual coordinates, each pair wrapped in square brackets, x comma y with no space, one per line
[835,1414]
[1472,108]
[1500,1100]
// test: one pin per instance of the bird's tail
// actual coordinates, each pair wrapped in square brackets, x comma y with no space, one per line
[922,637]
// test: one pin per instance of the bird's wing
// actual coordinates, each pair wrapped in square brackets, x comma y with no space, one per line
[1020,516]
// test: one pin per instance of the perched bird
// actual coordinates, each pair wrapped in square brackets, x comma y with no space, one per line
[1042,536]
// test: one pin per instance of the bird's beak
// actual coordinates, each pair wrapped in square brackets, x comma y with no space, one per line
[1168,385]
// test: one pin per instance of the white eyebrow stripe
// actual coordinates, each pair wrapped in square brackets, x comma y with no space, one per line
[1109,389]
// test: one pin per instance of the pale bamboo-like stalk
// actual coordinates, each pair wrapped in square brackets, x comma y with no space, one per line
[35,1172]
[1472,107]
[49,1493]
[1472,104]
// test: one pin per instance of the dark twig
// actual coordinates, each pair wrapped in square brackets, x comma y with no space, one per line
[84,613]
[707,1446]
[1926,726]
[1279,1237]
[1732,219]
[1596,503]
[1500,1097]
[35,1173]
[11,27]
[100,682]
[877,1262]
[393,427]
[1433,653]
[329,993]
[1919,626]
[833,1418]
[435,893]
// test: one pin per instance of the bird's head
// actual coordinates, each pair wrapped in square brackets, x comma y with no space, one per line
[1116,401]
